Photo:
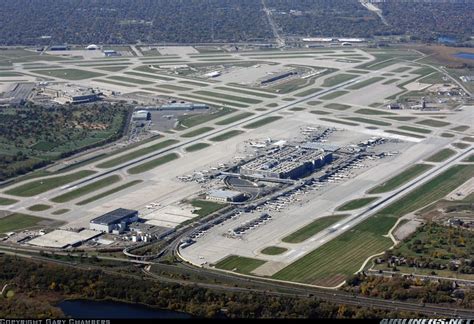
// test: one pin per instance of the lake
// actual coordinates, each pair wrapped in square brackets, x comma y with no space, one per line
[110,309]
[469,56]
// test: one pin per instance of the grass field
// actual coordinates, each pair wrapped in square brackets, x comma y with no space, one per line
[400,179]
[433,123]
[262,122]
[307,92]
[226,135]
[403,133]
[338,79]
[194,83]
[153,163]
[334,261]
[39,207]
[334,95]
[187,121]
[135,154]
[7,201]
[247,92]
[297,109]
[239,264]
[60,211]
[447,135]
[402,118]
[39,186]
[313,103]
[339,121]
[172,87]
[468,139]
[415,129]
[214,101]
[109,192]
[365,83]
[196,147]
[197,132]
[115,83]
[129,80]
[320,112]
[356,203]
[204,207]
[227,97]
[273,250]
[337,106]
[470,158]
[312,228]
[150,76]
[461,146]
[368,121]
[365,111]
[234,118]
[440,156]
[96,185]
[461,128]
[17,221]
[69,74]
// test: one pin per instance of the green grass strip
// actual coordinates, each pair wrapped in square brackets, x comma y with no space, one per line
[39,186]
[109,192]
[400,179]
[312,229]
[153,163]
[86,189]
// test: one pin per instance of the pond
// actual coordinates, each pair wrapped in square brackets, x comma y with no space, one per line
[469,56]
[111,309]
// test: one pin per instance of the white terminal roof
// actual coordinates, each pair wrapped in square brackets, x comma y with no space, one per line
[224,193]
[63,238]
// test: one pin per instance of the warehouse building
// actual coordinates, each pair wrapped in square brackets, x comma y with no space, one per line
[115,221]
[225,196]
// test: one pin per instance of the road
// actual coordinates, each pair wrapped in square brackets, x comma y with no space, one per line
[279,40]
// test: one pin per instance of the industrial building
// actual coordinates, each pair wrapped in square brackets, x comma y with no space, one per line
[225,196]
[141,115]
[61,239]
[59,48]
[111,53]
[287,162]
[115,221]
[66,94]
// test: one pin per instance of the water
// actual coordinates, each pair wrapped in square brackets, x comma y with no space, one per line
[111,309]
[469,56]
[446,39]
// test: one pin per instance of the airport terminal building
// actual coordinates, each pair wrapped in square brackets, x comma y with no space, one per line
[291,162]
[114,221]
